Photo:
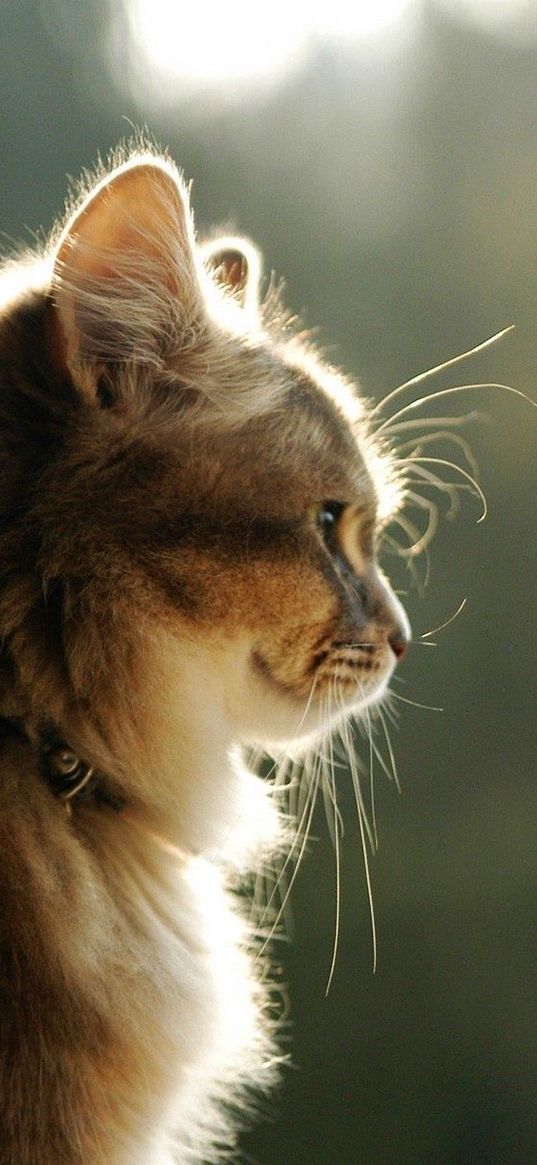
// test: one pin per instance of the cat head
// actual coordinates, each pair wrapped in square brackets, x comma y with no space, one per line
[185,480]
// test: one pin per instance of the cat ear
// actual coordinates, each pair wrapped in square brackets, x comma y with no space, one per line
[235,264]
[126,276]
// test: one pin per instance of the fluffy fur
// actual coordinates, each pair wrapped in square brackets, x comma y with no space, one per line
[190,502]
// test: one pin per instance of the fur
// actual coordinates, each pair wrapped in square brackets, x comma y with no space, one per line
[190,502]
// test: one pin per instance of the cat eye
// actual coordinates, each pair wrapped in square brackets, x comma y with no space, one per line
[327,519]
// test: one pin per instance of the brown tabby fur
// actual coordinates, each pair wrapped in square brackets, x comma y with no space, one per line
[166,595]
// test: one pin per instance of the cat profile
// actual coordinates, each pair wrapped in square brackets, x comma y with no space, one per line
[190,505]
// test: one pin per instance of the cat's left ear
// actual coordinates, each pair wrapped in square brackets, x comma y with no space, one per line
[127,277]
[235,265]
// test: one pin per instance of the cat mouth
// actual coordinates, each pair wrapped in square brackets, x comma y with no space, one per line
[353,672]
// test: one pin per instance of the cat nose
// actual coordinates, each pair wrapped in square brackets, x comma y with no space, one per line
[399,643]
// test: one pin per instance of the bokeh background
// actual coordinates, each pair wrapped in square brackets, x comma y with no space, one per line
[384,156]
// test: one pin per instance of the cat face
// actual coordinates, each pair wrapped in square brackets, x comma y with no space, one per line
[279,548]
[197,469]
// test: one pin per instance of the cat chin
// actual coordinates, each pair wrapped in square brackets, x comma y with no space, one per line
[279,719]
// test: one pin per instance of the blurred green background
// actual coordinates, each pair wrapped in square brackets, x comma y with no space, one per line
[387,166]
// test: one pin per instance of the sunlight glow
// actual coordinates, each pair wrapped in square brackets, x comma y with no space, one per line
[226,49]
[361,18]
[210,43]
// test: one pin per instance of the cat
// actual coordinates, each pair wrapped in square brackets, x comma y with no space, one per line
[190,508]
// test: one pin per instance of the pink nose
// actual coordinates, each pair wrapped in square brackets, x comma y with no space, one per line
[398,646]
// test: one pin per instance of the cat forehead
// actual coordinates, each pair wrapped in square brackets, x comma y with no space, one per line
[309,447]
[339,422]
[278,430]
[333,419]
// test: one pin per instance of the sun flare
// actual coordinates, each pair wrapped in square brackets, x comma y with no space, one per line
[213,43]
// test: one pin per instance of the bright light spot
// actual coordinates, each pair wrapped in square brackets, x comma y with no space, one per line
[213,43]
[343,18]
[218,45]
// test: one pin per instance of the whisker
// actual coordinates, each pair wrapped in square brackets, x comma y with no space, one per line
[382,762]
[302,786]
[408,528]
[441,392]
[285,769]
[441,626]
[415,703]
[335,944]
[415,473]
[441,368]
[451,488]
[391,711]
[413,535]
[439,435]
[366,832]
[363,824]
[396,548]
[268,882]
[382,719]
[432,525]
[458,469]
[371,776]
[430,422]
[313,790]
[328,787]
[355,778]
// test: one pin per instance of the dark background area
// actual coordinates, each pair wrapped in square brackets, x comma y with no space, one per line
[393,185]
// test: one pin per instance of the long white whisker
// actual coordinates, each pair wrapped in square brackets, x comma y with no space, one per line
[395,546]
[413,535]
[331,809]
[365,829]
[312,798]
[285,779]
[355,778]
[441,392]
[378,753]
[440,368]
[418,473]
[371,775]
[369,889]
[452,489]
[283,761]
[432,524]
[382,719]
[430,422]
[408,528]
[458,469]
[332,812]
[366,832]
[441,626]
[335,944]
[414,703]
[278,762]
[430,438]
